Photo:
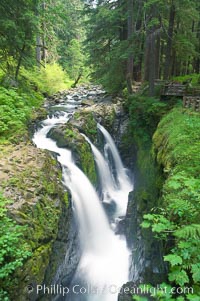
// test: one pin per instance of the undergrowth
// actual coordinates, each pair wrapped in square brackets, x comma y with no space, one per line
[176,221]
[12,251]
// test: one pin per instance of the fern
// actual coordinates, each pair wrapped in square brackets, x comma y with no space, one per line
[190,231]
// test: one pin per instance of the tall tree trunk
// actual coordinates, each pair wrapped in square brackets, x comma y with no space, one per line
[162,51]
[152,63]
[139,43]
[38,50]
[44,48]
[150,58]
[197,60]
[169,41]
[123,23]
[19,61]
[157,58]
[146,59]
[173,70]
[129,75]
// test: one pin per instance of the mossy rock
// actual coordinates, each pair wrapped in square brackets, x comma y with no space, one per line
[36,201]
[70,137]
[85,123]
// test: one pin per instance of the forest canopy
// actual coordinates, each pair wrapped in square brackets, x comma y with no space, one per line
[118,42]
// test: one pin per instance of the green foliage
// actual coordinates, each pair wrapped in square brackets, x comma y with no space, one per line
[18,105]
[18,25]
[111,75]
[16,108]
[14,111]
[178,275]
[189,231]
[141,40]
[138,298]
[13,251]
[74,63]
[29,27]
[48,80]
[173,259]
[145,113]
[176,148]
[89,127]
[159,224]
[195,79]
[107,52]
[52,79]
[70,133]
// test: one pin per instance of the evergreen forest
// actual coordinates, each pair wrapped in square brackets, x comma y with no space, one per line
[145,56]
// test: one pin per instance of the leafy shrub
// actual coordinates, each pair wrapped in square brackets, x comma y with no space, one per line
[14,111]
[13,251]
[176,147]
[48,80]
[195,78]
[145,113]
[53,79]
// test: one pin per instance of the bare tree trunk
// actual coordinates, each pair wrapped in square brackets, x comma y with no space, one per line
[38,50]
[150,58]
[173,70]
[152,64]
[157,58]
[44,48]
[19,61]
[129,75]
[197,60]
[146,59]
[162,51]
[169,41]
[77,80]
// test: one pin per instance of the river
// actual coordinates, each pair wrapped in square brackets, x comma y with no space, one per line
[105,258]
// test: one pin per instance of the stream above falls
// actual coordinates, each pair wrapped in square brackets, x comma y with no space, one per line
[105,258]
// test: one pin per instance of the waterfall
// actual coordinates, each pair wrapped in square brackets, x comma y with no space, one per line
[112,190]
[108,184]
[122,177]
[104,265]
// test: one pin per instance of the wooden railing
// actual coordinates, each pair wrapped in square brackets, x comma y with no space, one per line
[173,89]
[190,95]
[192,102]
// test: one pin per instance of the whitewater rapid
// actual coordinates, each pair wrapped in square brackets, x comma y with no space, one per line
[104,264]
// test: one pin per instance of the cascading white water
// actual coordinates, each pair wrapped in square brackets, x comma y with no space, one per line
[112,191]
[108,184]
[123,179]
[104,264]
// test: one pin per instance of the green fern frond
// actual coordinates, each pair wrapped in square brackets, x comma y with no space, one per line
[190,231]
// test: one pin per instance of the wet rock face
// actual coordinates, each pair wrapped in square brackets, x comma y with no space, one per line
[31,179]
[147,264]
[65,254]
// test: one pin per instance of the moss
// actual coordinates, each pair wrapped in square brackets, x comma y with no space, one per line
[176,148]
[69,134]
[37,202]
[88,124]
[109,119]
[66,198]
[33,273]
[87,163]
[37,265]
[71,137]
[178,142]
